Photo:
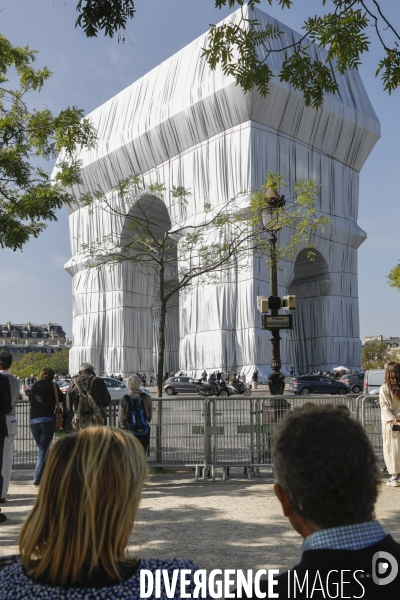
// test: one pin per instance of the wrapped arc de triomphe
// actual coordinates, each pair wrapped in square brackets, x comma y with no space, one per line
[183,124]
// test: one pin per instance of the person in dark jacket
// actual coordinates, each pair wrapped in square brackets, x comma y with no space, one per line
[86,380]
[327,483]
[5,408]
[42,421]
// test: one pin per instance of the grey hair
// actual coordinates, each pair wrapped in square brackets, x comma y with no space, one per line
[133,383]
[86,367]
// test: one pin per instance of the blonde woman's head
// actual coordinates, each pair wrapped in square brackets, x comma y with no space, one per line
[133,383]
[87,503]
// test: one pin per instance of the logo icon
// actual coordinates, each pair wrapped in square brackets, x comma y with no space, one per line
[384,568]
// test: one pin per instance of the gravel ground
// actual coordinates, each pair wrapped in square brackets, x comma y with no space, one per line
[235,524]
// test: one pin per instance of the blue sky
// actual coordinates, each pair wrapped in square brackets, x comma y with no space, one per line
[86,73]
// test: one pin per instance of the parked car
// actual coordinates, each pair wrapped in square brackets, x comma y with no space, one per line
[63,384]
[317,384]
[355,381]
[373,380]
[175,385]
[116,388]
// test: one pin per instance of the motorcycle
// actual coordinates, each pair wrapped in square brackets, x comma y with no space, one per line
[241,389]
[220,389]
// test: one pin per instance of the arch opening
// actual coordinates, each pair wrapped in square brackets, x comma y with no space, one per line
[146,223]
[311,284]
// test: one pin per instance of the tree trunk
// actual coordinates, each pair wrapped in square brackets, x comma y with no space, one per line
[160,367]
[161,335]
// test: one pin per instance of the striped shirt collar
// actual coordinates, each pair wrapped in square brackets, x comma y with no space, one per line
[346,537]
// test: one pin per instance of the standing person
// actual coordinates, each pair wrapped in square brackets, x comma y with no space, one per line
[243,377]
[135,412]
[5,409]
[11,418]
[42,421]
[86,381]
[389,400]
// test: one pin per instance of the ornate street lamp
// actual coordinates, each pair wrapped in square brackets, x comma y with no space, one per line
[270,220]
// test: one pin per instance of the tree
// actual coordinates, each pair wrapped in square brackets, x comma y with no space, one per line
[375,355]
[110,15]
[242,49]
[179,255]
[34,362]
[394,277]
[28,198]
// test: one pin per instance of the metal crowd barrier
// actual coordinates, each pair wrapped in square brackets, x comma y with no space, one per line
[371,420]
[214,433]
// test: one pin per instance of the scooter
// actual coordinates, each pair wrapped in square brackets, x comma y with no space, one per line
[220,389]
[241,390]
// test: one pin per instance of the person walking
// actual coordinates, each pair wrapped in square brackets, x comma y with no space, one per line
[11,419]
[42,421]
[5,409]
[389,400]
[135,412]
[88,382]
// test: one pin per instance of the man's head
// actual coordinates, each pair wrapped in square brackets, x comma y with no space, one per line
[325,467]
[86,368]
[5,360]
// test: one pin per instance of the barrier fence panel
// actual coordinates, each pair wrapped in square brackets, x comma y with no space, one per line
[230,432]
[178,432]
[214,432]
[372,423]
[270,410]
[25,449]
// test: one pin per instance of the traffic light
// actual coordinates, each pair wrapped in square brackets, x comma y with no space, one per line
[262,304]
[289,302]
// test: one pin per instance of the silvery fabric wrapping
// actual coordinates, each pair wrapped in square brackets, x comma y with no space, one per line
[183,124]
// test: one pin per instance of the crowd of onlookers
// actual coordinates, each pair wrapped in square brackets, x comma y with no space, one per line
[74,541]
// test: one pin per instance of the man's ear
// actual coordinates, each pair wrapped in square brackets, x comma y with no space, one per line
[287,507]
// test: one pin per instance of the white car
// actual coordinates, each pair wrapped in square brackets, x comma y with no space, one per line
[118,389]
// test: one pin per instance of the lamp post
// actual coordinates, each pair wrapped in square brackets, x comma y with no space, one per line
[269,215]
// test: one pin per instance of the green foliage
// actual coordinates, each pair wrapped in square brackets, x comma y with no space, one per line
[34,362]
[27,196]
[243,49]
[299,214]
[394,277]
[375,355]
[108,15]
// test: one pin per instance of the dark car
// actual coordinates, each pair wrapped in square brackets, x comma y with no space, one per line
[355,381]
[174,385]
[317,384]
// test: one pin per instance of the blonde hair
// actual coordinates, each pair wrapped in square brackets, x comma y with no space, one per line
[86,506]
[133,383]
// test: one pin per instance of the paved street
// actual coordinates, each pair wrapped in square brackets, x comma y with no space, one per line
[233,524]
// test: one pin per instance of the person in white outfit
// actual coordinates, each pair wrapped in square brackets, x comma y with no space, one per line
[389,400]
[11,418]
